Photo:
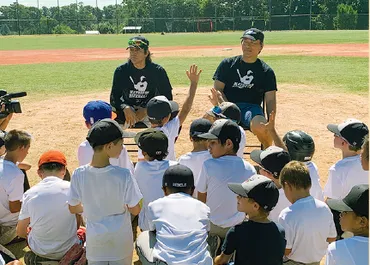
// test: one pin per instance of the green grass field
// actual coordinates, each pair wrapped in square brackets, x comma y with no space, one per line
[178,39]
[337,73]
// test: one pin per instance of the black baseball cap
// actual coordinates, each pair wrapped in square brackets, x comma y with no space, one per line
[223,129]
[103,132]
[199,126]
[351,130]
[152,141]
[253,34]
[226,110]
[356,201]
[160,107]
[272,159]
[138,42]
[259,188]
[178,176]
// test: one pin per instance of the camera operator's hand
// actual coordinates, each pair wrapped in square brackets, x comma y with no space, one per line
[130,116]
[4,121]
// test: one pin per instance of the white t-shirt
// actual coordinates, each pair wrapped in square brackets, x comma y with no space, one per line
[316,190]
[350,251]
[194,161]
[243,142]
[149,177]
[182,224]
[216,173]
[11,189]
[343,175]
[281,205]
[171,130]
[54,228]
[105,194]
[85,153]
[308,223]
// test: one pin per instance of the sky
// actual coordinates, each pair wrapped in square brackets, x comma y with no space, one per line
[49,3]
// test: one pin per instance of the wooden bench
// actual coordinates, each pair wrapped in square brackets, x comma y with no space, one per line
[138,28]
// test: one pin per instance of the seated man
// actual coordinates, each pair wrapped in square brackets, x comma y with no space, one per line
[247,81]
[53,230]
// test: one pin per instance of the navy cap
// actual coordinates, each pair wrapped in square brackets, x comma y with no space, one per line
[253,34]
[199,126]
[178,176]
[103,132]
[351,130]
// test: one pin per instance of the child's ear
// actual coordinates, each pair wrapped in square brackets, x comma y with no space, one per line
[88,125]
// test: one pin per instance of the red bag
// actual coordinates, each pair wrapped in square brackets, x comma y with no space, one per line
[72,255]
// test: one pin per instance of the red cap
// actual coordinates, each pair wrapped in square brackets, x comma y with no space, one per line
[53,156]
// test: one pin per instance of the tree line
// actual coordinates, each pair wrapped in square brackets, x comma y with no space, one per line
[186,16]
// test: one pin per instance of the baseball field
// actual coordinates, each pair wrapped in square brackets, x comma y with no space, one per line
[322,78]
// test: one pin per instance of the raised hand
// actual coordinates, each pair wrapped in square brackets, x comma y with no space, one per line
[193,73]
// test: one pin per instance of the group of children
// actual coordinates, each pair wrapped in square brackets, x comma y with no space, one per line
[208,207]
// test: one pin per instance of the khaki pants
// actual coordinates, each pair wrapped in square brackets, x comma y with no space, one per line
[7,234]
[144,248]
[292,262]
[218,231]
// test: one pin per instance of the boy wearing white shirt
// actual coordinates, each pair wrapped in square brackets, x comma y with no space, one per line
[17,144]
[226,110]
[106,195]
[354,209]
[308,222]
[301,147]
[347,172]
[159,111]
[93,112]
[179,224]
[53,230]
[195,159]
[224,167]
[149,172]
[271,161]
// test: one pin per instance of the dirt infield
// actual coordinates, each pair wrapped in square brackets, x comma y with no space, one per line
[79,55]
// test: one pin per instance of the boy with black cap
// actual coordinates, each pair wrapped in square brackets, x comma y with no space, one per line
[106,195]
[195,159]
[354,209]
[249,82]
[159,112]
[256,197]
[224,166]
[136,82]
[92,112]
[347,172]
[308,222]
[44,209]
[271,162]
[178,224]
[226,110]
[149,172]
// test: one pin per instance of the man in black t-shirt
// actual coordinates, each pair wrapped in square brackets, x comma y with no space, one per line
[136,82]
[248,82]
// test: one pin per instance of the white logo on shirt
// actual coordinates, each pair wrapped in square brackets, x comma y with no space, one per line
[141,85]
[245,81]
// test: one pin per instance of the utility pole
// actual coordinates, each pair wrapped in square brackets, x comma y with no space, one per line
[58,12]
[116,17]
[77,15]
[310,14]
[18,24]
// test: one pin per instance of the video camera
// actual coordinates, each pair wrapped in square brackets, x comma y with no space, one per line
[10,106]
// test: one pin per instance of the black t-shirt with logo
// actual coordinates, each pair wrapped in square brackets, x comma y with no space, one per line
[135,87]
[245,82]
[256,243]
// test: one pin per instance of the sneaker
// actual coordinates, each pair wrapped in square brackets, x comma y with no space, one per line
[214,243]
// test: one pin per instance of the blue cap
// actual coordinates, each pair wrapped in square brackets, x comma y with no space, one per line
[97,110]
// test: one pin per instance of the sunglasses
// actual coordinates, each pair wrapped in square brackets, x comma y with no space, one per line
[138,43]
